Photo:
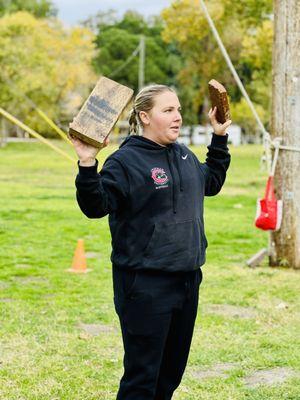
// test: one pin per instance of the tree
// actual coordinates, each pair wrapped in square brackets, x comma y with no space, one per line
[39,8]
[117,41]
[257,55]
[49,64]
[241,25]
[285,243]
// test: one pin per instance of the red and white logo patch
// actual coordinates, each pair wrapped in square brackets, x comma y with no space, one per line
[159,176]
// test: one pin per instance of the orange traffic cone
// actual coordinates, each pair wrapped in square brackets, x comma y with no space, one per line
[79,259]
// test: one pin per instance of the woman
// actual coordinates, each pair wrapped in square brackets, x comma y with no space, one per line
[153,190]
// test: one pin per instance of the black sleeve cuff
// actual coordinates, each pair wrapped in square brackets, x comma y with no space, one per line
[219,140]
[88,171]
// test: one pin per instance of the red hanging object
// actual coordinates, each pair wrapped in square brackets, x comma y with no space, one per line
[269,209]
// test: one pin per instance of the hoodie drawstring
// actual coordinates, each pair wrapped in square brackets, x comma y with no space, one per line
[173,188]
[174,194]
[179,172]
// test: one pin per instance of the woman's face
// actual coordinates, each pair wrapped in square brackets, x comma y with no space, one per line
[162,123]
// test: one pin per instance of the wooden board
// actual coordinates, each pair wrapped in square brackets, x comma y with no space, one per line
[257,259]
[100,112]
[219,99]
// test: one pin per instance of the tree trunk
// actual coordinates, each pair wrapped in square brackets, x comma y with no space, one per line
[285,244]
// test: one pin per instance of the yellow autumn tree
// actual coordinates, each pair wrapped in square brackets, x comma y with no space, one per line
[257,54]
[188,28]
[246,31]
[48,63]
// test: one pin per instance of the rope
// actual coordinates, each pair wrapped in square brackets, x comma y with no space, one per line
[275,144]
[49,121]
[268,141]
[266,135]
[26,128]
[57,129]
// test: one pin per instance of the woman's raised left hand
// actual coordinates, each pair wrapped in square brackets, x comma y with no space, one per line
[219,129]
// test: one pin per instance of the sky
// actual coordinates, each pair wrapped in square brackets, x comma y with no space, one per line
[74,11]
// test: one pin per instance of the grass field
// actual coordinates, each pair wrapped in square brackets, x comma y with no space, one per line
[248,324]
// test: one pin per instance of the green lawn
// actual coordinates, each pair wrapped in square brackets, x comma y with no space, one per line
[45,354]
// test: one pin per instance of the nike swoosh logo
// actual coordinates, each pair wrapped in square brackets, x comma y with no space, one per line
[184,157]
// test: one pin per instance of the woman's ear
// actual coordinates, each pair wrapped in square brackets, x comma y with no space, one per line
[144,117]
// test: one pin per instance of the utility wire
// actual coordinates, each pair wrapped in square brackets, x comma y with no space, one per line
[119,69]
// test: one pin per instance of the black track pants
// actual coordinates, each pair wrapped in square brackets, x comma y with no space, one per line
[157,313]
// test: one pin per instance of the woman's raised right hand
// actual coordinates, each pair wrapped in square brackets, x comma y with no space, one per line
[86,152]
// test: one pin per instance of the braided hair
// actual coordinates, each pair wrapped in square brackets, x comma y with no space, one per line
[144,101]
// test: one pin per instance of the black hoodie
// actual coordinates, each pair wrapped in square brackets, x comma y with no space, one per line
[154,197]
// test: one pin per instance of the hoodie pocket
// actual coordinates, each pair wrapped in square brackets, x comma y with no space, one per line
[176,246]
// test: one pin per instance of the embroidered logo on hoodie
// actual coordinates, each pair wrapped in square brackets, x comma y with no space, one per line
[159,177]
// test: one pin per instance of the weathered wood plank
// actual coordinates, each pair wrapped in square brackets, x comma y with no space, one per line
[219,99]
[255,260]
[100,112]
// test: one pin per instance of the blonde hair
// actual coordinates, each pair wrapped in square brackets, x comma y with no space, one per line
[144,101]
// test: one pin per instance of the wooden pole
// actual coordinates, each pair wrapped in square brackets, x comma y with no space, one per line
[285,244]
[142,62]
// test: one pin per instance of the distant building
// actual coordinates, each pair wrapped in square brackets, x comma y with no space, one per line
[201,135]
[235,135]
[189,135]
